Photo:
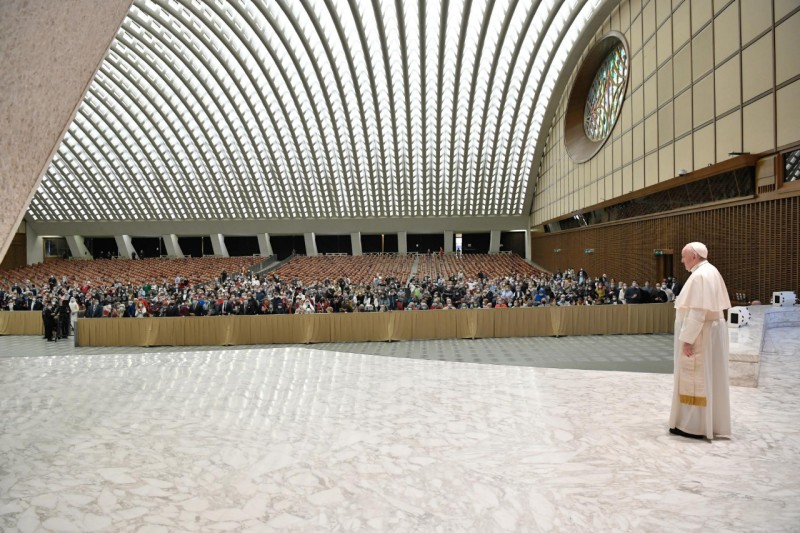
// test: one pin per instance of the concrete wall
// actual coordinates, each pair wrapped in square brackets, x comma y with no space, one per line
[50,52]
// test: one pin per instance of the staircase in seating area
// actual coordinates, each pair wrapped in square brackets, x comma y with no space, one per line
[414,268]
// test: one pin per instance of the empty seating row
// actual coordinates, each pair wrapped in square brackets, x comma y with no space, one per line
[107,272]
[361,270]
[470,265]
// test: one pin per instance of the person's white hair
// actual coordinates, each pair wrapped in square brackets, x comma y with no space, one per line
[699,248]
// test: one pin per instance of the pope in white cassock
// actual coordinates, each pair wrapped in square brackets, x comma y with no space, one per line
[701,399]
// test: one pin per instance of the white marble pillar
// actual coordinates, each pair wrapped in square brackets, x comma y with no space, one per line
[402,243]
[218,244]
[355,241]
[448,242]
[264,246]
[494,241]
[77,248]
[173,248]
[124,246]
[311,244]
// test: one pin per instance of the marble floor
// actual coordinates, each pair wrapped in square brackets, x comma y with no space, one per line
[312,439]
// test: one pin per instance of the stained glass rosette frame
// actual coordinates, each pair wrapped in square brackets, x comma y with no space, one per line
[605,95]
[596,97]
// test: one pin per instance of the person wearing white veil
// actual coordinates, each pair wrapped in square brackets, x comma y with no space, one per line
[74,307]
[701,398]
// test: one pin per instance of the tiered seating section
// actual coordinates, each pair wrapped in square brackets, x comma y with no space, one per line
[361,270]
[106,272]
[492,266]
[169,287]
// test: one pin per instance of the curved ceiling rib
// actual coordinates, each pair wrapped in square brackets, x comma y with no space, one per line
[118,178]
[463,198]
[320,78]
[173,71]
[348,187]
[222,96]
[155,95]
[327,110]
[510,10]
[295,98]
[575,14]
[529,17]
[130,105]
[159,108]
[541,34]
[377,179]
[367,207]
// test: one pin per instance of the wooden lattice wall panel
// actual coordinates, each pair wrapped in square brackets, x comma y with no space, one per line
[755,245]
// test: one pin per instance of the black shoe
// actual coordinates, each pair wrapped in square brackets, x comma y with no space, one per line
[676,431]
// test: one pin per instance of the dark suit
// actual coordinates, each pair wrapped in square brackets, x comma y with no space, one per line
[633,295]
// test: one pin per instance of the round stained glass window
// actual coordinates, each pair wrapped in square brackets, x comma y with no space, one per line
[605,95]
[596,97]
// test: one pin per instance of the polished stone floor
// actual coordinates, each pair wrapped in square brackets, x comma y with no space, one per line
[317,439]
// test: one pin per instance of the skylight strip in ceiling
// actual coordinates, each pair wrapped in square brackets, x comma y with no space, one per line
[95,140]
[354,81]
[312,96]
[174,95]
[575,12]
[224,74]
[331,88]
[336,108]
[66,189]
[171,70]
[159,149]
[67,183]
[88,193]
[164,112]
[368,59]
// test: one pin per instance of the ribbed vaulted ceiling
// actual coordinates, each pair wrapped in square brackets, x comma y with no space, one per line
[274,109]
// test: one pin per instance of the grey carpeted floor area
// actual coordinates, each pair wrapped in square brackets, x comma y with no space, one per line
[627,353]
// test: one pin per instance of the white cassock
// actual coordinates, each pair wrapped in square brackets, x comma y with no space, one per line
[701,399]
[74,308]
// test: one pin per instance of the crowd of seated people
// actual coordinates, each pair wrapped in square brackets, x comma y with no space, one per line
[64,290]
[304,285]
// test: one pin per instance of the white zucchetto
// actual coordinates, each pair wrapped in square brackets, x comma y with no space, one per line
[700,249]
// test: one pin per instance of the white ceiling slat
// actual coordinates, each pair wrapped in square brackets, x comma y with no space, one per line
[328,109]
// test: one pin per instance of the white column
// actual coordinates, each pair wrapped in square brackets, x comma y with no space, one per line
[218,244]
[528,252]
[448,242]
[35,245]
[77,248]
[124,246]
[264,246]
[494,241]
[173,248]
[355,241]
[402,243]
[311,244]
